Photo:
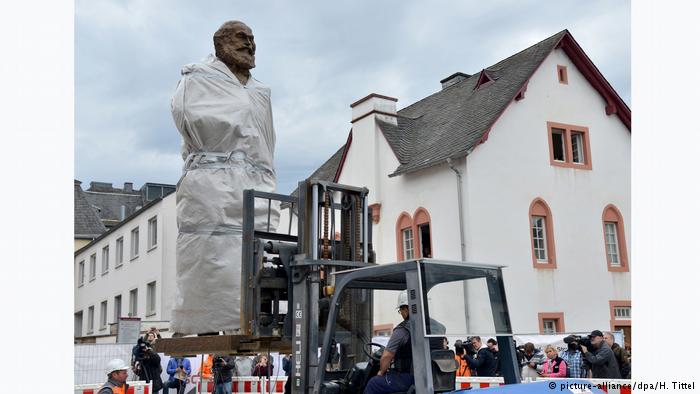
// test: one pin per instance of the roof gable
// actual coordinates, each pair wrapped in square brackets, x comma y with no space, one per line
[453,121]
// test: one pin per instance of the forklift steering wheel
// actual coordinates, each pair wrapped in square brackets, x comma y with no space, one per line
[368,350]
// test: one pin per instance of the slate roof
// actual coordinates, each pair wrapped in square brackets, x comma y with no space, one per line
[86,222]
[108,204]
[449,123]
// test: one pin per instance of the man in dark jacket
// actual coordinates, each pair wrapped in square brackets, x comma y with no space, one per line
[147,365]
[493,347]
[222,369]
[623,359]
[601,358]
[483,361]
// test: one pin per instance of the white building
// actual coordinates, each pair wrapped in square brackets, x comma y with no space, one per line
[535,150]
[127,271]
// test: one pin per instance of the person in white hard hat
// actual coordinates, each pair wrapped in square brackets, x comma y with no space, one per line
[117,372]
[396,364]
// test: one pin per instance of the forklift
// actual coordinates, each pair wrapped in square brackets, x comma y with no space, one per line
[311,294]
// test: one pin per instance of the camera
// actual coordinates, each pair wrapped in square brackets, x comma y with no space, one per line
[465,346]
[575,341]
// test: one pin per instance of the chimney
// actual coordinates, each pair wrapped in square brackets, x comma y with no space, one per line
[128,187]
[384,106]
[453,79]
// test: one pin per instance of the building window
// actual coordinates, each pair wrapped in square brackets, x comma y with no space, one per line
[81,273]
[622,312]
[404,238]
[551,322]
[539,239]
[119,252]
[152,232]
[614,238]
[569,146]
[421,220]
[105,260]
[133,302]
[91,320]
[558,145]
[117,308]
[577,153]
[621,319]
[151,299]
[562,75]
[93,266]
[103,315]
[542,235]
[407,235]
[135,243]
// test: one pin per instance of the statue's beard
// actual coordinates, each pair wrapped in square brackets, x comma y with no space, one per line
[241,59]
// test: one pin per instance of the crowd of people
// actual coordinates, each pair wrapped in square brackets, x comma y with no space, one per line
[596,356]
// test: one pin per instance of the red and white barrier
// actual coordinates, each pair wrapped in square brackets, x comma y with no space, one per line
[135,387]
[474,382]
[249,384]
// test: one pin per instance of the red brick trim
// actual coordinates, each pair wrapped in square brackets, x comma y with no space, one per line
[568,130]
[382,327]
[403,222]
[421,216]
[376,207]
[612,214]
[613,321]
[558,316]
[562,75]
[539,207]
[343,157]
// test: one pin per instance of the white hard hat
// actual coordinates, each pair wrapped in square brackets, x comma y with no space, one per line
[403,299]
[116,365]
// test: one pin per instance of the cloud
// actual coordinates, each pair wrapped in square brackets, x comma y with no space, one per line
[317,56]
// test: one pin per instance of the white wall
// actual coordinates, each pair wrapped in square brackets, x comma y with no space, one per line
[155,264]
[512,168]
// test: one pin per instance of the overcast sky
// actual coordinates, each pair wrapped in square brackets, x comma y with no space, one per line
[317,56]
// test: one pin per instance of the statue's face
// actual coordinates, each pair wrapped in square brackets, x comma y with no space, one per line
[238,48]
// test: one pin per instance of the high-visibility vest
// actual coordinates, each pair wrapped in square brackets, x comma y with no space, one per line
[463,369]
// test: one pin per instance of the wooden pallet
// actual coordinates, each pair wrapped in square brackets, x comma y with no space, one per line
[222,344]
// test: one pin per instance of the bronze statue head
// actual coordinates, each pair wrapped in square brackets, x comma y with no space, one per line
[235,45]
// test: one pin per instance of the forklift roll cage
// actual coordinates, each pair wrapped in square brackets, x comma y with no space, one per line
[417,277]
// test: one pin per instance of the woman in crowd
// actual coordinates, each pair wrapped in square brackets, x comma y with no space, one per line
[555,366]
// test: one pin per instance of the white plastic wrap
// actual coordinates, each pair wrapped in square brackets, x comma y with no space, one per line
[228,146]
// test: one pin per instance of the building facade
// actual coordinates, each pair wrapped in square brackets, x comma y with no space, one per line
[525,165]
[127,271]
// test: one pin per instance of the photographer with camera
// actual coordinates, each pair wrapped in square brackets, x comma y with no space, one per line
[532,361]
[146,362]
[222,368]
[600,357]
[483,361]
[463,369]
[575,366]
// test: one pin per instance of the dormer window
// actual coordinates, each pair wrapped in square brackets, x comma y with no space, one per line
[484,79]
